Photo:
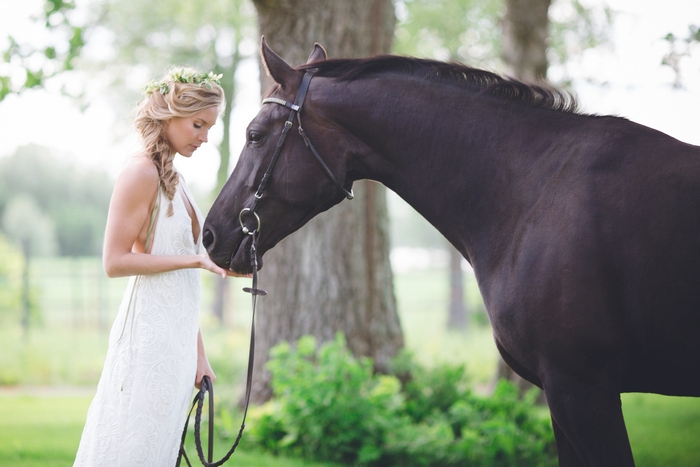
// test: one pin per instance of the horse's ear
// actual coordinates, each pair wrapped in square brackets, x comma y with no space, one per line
[276,67]
[318,54]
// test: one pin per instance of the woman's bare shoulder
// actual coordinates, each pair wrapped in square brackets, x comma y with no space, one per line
[140,167]
[138,179]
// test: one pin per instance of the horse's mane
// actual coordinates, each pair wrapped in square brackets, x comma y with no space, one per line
[484,82]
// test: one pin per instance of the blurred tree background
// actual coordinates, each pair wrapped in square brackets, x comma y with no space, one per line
[57,206]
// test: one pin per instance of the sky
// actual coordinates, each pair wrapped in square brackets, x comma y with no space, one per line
[634,85]
[624,79]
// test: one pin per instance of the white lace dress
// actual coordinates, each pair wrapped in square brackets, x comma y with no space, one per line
[139,410]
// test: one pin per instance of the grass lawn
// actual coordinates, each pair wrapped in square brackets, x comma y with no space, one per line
[664,431]
[43,430]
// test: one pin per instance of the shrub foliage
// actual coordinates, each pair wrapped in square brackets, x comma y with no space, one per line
[330,406]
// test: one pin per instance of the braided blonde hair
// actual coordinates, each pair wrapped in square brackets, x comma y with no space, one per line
[183,92]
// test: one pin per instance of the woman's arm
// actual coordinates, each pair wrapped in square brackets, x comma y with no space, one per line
[203,367]
[129,215]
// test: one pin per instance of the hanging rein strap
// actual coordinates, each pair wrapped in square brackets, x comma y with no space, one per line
[207,386]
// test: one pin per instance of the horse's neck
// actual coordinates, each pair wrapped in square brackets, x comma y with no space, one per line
[458,165]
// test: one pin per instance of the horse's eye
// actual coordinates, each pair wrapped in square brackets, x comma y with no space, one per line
[254,137]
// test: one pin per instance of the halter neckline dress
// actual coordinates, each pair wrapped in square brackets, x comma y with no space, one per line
[139,410]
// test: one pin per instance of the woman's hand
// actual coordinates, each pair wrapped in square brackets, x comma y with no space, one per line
[203,367]
[206,263]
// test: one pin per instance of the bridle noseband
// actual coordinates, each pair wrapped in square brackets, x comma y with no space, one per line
[295,112]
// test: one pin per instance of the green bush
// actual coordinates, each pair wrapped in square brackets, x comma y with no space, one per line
[330,406]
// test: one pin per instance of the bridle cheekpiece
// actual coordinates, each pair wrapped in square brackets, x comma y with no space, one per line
[295,111]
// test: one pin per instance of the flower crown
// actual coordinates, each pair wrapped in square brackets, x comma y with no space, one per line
[183,75]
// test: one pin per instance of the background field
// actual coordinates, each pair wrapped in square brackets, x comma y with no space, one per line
[47,376]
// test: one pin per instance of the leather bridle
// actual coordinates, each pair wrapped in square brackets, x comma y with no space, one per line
[295,112]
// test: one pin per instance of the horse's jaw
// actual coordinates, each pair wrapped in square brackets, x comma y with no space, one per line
[241,259]
[233,252]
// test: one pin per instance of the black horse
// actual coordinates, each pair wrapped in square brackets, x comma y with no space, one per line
[583,231]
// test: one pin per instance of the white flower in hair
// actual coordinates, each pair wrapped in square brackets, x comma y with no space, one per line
[183,75]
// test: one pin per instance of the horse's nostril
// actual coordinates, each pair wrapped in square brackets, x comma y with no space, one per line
[208,238]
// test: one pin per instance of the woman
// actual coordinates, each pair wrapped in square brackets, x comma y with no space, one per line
[153,234]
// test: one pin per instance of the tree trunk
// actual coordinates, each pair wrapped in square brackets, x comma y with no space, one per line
[458,314]
[525,33]
[228,83]
[333,275]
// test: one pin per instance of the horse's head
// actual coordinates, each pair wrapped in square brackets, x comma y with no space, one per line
[281,180]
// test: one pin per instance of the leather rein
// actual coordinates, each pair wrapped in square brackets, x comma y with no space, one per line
[207,386]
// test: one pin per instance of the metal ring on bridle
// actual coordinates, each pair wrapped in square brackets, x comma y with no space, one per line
[243,226]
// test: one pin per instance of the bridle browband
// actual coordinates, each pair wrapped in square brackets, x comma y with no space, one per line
[295,112]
